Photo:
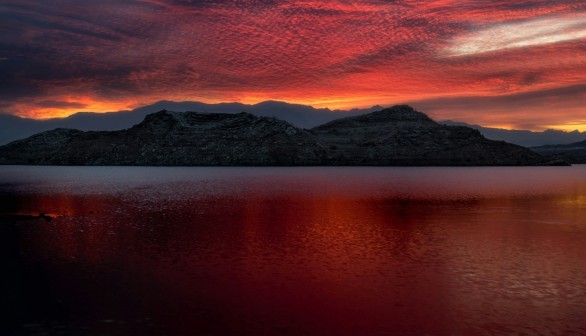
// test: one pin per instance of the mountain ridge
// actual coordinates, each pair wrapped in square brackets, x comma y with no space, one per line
[14,128]
[303,116]
[395,136]
[574,153]
[524,138]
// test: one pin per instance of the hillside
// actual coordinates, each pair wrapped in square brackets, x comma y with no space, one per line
[393,136]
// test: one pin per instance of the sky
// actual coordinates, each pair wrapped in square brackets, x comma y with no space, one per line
[512,64]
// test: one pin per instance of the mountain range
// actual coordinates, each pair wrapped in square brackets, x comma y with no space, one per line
[302,116]
[525,138]
[397,136]
[574,153]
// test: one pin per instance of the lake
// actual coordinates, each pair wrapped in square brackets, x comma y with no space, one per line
[293,251]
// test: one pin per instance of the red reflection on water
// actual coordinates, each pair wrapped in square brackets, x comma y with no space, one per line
[331,263]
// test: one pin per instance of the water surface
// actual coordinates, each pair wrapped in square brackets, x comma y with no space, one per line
[301,251]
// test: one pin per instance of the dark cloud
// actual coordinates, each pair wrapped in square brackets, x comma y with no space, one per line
[16,81]
[520,110]
[562,95]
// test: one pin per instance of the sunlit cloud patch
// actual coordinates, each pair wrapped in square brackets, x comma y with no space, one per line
[526,33]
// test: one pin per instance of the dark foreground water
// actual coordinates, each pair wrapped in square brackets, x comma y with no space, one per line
[302,251]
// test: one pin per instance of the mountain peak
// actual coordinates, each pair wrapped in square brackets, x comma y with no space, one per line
[395,114]
[165,119]
[165,122]
[398,113]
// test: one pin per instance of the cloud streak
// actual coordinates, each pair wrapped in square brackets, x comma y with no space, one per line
[527,33]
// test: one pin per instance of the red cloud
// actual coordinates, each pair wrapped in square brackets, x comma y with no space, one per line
[110,55]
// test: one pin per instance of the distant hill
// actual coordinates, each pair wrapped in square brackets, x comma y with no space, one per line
[523,137]
[397,136]
[572,153]
[302,116]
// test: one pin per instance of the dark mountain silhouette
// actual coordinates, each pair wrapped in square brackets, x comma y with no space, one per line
[393,136]
[572,153]
[523,137]
[14,128]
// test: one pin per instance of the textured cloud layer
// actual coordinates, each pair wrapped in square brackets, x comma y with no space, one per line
[63,56]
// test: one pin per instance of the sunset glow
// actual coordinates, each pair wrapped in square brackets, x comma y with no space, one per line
[515,63]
